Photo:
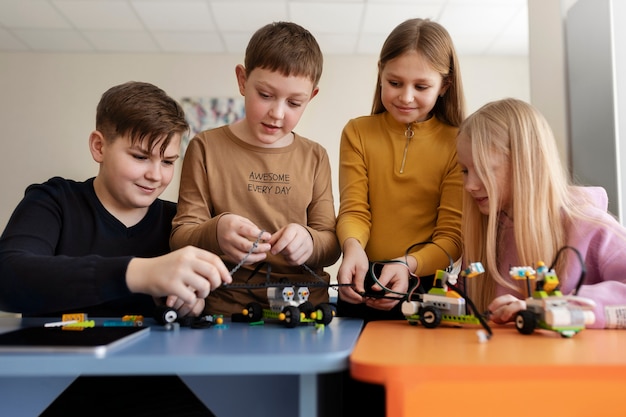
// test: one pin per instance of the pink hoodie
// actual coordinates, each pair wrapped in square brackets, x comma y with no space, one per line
[603,249]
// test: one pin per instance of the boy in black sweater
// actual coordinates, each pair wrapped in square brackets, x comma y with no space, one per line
[102,246]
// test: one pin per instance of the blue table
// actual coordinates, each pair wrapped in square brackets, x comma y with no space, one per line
[236,370]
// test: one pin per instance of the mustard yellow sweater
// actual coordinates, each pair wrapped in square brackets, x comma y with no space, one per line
[395,192]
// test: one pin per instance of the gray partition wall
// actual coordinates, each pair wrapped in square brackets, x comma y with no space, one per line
[596,64]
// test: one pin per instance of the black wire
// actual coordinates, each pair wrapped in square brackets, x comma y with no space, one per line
[583,268]
[470,303]
[416,282]
[385,291]
[426,242]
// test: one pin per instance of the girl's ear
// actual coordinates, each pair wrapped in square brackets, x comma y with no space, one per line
[240,73]
[444,86]
[96,146]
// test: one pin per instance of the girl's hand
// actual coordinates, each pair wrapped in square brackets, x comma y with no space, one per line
[504,308]
[394,277]
[352,270]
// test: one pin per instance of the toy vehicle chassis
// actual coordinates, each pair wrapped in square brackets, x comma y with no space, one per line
[444,303]
[526,322]
[536,316]
[431,317]
[546,307]
[291,316]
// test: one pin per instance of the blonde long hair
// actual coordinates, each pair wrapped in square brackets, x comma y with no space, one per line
[542,201]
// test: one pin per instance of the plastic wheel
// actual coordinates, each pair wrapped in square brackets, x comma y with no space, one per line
[165,315]
[430,317]
[326,311]
[292,316]
[307,308]
[525,322]
[255,312]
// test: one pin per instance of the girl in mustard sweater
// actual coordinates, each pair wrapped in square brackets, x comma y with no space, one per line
[399,180]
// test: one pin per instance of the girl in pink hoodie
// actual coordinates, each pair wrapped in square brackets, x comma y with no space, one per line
[520,208]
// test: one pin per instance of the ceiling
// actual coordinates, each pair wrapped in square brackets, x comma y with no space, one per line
[477,27]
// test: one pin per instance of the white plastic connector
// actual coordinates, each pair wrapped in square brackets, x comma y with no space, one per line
[483,337]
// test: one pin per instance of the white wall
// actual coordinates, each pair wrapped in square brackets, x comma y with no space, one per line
[596,59]
[548,69]
[48,102]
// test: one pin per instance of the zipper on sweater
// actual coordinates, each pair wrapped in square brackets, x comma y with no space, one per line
[409,134]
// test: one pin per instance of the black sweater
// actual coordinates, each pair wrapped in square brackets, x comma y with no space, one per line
[62,251]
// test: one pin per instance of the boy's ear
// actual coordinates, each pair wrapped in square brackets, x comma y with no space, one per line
[314,93]
[96,143]
[240,72]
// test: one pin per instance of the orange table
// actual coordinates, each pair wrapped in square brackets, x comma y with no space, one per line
[447,371]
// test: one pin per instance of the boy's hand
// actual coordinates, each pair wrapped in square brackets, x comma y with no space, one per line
[352,270]
[184,309]
[236,236]
[189,274]
[294,242]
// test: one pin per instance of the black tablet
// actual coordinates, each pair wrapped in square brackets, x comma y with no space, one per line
[97,340]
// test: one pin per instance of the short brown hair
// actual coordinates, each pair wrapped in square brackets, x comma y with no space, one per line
[285,47]
[143,111]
